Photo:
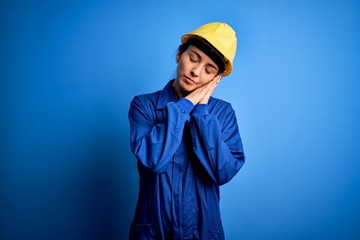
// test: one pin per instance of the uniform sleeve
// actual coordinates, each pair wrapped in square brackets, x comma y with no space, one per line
[218,146]
[154,143]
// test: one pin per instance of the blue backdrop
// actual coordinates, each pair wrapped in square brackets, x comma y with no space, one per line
[69,70]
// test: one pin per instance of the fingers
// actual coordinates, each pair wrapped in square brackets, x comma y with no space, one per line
[210,86]
[203,93]
[198,94]
[210,90]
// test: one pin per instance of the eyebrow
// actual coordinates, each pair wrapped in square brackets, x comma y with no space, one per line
[198,55]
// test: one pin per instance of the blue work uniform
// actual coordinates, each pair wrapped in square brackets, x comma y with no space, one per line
[184,154]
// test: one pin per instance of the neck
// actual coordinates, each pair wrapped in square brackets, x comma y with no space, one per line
[178,91]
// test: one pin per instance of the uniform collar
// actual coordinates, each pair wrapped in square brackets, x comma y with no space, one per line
[166,95]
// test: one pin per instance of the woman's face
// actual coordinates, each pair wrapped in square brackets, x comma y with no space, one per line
[194,69]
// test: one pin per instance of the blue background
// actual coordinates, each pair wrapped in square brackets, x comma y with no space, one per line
[69,70]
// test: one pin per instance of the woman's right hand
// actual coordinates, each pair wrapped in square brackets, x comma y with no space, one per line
[203,93]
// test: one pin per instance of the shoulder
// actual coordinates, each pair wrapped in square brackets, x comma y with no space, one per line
[223,111]
[146,99]
[219,106]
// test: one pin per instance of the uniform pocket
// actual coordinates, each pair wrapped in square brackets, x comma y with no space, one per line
[142,232]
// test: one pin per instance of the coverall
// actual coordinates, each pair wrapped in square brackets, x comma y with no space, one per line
[184,154]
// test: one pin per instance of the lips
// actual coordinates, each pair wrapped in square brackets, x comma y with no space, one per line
[187,79]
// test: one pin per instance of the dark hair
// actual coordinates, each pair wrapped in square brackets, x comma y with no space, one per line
[207,48]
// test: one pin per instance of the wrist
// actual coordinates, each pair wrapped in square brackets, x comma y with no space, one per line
[191,100]
[185,104]
[200,110]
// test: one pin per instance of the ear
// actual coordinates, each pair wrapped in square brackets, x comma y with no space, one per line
[178,55]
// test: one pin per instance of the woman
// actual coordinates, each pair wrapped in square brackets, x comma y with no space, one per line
[187,143]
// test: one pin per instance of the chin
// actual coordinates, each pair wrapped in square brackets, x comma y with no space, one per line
[187,88]
[184,87]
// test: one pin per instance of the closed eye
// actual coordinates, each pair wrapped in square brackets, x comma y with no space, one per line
[193,58]
[210,70]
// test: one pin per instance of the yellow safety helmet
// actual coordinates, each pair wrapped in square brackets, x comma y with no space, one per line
[222,37]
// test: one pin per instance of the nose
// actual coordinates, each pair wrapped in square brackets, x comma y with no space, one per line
[195,71]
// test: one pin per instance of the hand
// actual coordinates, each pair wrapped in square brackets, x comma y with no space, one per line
[202,94]
[210,91]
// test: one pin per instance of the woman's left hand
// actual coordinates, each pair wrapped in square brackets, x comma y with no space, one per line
[202,94]
[210,91]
